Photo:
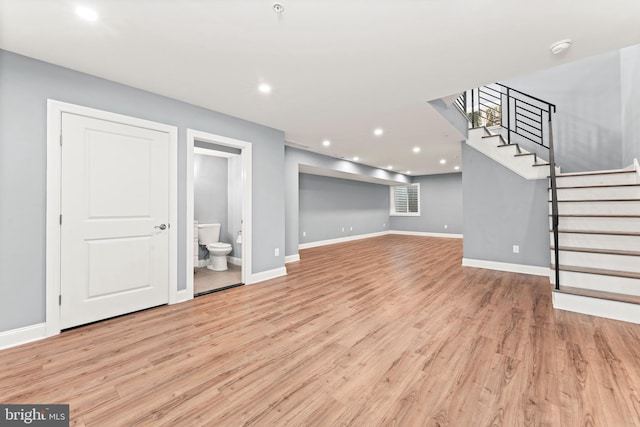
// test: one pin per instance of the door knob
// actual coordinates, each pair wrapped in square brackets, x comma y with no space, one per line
[161,226]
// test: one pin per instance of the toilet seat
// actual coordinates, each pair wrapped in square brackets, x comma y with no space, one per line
[219,246]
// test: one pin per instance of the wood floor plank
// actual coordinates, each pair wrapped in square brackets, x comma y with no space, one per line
[389,330]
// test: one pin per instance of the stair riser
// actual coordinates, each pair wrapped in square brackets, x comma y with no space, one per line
[603,179]
[597,282]
[598,193]
[598,208]
[598,241]
[602,261]
[605,224]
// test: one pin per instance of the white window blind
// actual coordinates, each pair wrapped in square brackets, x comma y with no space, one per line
[405,200]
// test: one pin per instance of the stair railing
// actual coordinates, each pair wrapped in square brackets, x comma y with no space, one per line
[554,207]
[523,115]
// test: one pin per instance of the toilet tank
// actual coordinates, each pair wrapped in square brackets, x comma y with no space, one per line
[208,233]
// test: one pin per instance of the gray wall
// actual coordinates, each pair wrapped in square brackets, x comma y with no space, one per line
[329,204]
[440,204]
[630,82]
[293,159]
[210,194]
[25,85]
[587,126]
[501,209]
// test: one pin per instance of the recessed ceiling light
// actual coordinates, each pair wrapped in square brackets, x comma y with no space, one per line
[264,88]
[456,168]
[326,143]
[356,158]
[378,131]
[443,161]
[408,172]
[416,149]
[389,167]
[560,46]
[86,13]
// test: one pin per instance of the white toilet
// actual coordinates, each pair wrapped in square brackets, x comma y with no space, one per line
[208,235]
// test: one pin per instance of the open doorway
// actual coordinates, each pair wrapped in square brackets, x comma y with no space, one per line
[218,212]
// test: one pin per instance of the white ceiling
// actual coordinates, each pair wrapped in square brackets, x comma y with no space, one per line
[338,68]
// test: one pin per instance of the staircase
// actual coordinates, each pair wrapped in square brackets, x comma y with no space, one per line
[599,243]
[512,156]
[594,216]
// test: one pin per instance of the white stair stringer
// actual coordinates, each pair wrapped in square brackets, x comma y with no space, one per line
[510,156]
[599,243]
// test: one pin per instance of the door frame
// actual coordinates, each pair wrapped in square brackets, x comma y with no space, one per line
[55,109]
[246,156]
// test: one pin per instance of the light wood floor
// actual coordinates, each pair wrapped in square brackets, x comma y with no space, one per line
[207,280]
[383,331]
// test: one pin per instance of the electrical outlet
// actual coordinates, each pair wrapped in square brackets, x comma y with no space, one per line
[343,229]
[350,228]
[384,224]
[446,226]
[304,234]
[516,249]
[277,252]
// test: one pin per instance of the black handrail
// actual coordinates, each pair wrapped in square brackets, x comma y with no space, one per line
[524,116]
[554,206]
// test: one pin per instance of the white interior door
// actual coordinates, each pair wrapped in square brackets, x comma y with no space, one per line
[115,219]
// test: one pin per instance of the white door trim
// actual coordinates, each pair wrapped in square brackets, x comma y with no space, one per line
[246,155]
[55,109]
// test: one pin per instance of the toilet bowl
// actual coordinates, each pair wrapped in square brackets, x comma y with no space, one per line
[208,235]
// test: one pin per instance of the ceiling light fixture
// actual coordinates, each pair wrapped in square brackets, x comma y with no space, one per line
[264,88]
[408,172]
[389,167]
[356,158]
[456,168]
[326,143]
[416,149]
[278,8]
[378,131]
[560,46]
[443,161]
[86,13]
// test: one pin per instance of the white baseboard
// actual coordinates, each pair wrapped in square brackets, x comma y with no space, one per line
[203,263]
[505,266]
[426,234]
[267,275]
[597,307]
[340,240]
[291,258]
[235,261]
[23,335]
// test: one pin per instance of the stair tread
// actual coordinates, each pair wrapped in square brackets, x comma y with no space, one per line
[524,154]
[597,200]
[611,233]
[600,271]
[594,173]
[597,251]
[596,186]
[541,164]
[613,296]
[598,215]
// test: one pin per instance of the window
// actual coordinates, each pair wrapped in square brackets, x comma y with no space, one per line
[405,200]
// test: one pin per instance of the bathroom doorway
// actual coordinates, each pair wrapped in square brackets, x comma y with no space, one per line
[218,212]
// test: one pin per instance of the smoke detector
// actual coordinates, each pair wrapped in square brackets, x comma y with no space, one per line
[560,46]
[278,8]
